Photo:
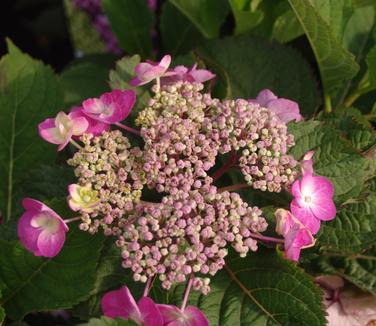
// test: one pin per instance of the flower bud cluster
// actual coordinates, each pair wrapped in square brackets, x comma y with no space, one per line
[188,233]
[176,154]
[260,137]
[109,165]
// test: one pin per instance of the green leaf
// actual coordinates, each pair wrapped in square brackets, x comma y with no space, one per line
[336,64]
[353,229]
[110,275]
[104,321]
[132,22]
[178,34]
[82,81]
[358,269]
[261,289]
[206,15]
[245,18]
[287,27]
[371,63]
[37,284]
[334,157]
[124,72]
[29,93]
[2,313]
[246,65]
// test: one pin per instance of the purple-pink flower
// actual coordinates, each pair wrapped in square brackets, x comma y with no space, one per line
[40,229]
[182,73]
[285,109]
[120,303]
[61,129]
[191,316]
[297,236]
[313,197]
[95,127]
[148,71]
[111,107]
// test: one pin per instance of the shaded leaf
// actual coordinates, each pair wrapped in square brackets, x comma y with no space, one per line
[336,64]
[132,22]
[206,15]
[36,284]
[245,65]
[104,321]
[245,18]
[178,34]
[29,93]
[261,289]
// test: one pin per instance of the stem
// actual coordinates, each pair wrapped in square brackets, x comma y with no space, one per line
[158,85]
[75,144]
[234,187]
[356,94]
[265,238]
[328,103]
[147,286]
[230,163]
[73,219]
[186,294]
[132,130]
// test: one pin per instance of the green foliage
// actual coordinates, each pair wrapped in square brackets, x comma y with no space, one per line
[246,65]
[178,34]
[2,313]
[336,64]
[371,62]
[334,157]
[245,17]
[82,81]
[353,229]
[109,275]
[36,284]
[261,289]
[206,15]
[104,321]
[132,22]
[358,269]
[29,93]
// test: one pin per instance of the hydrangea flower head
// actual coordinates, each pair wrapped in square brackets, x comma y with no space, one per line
[148,71]
[95,127]
[60,130]
[120,303]
[296,235]
[82,198]
[110,107]
[285,109]
[313,201]
[40,229]
[191,316]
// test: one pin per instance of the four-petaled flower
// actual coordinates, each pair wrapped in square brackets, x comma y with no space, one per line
[82,198]
[60,130]
[120,303]
[285,109]
[111,107]
[40,229]
[191,316]
[182,73]
[148,71]
[313,197]
[297,236]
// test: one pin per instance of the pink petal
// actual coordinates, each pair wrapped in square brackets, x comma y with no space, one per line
[202,75]
[49,245]
[296,239]
[323,188]
[48,132]
[150,313]
[165,62]
[123,102]
[142,67]
[27,234]
[286,110]
[305,215]
[137,82]
[296,190]
[95,127]
[120,303]
[325,211]
[66,141]
[265,96]
[80,125]
[196,316]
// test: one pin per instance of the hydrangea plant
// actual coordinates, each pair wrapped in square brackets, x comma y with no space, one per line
[221,187]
